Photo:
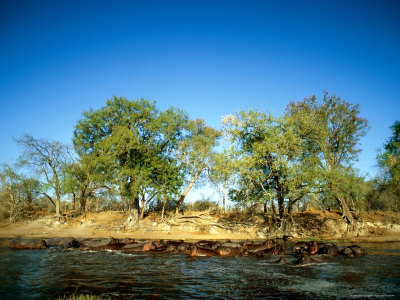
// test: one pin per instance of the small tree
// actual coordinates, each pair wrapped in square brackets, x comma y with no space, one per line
[194,153]
[221,172]
[17,193]
[47,158]
[85,177]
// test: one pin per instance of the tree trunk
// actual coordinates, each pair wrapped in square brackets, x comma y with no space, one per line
[73,201]
[223,196]
[185,192]
[287,220]
[58,214]
[273,209]
[123,202]
[142,210]
[58,204]
[281,207]
[83,200]
[12,207]
[134,210]
[163,207]
[346,213]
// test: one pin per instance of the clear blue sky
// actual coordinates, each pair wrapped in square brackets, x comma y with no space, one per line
[210,58]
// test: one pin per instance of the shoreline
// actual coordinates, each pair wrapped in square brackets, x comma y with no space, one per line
[194,226]
[197,237]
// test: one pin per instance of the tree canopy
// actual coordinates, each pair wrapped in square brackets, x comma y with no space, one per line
[133,148]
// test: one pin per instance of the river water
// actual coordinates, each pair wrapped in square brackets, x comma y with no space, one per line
[51,273]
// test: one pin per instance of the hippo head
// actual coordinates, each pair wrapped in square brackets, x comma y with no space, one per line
[158,244]
[270,243]
[313,247]
[192,251]
[148,246]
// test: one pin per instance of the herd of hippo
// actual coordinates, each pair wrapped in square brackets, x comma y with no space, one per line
[305,252]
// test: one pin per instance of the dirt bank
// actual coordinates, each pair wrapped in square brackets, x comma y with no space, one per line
[322,225]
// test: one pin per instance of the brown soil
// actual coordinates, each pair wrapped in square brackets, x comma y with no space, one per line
[323,225]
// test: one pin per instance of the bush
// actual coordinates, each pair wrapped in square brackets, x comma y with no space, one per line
[202,205]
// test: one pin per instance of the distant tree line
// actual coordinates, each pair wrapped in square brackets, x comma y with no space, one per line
[130,155]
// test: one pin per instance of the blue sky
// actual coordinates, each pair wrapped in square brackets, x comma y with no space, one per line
[210,58]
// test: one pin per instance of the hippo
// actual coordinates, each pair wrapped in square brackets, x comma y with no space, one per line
[100,244]
[64,242]
[281,260]
[300,246]
[197,251]
[330,249]
[316,258]
[208,244]
[268,244]
[275,250]
[311,247]
[27,243]
[183,248]
[139,247]
[353,251]
[127,241]
[158,243]
[229,251]
[231,244]
[165,248]
[175,243]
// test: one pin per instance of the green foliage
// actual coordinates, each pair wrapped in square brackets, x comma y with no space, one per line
[194,153]
[331,130]
[387,188]
[137,142]
[18,194]
[273,162]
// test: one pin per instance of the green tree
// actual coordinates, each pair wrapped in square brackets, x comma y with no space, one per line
[332,130]
[389,162]
[85,177]
[47,159]
[194,153]
[17,193]
[133,137]
[273,161]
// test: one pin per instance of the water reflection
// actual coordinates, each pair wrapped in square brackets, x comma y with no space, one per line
[43,274]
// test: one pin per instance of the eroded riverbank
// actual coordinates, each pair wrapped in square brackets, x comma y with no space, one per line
[321,225]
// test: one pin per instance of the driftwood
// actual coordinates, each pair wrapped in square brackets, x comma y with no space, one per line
[202,219]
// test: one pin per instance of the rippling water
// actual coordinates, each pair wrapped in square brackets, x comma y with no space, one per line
[50,273]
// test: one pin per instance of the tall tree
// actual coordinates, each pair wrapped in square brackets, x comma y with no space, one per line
[133,136]
[194,153]
[48,159]
[273,160]
[221,172]
[332,129]
[389,162]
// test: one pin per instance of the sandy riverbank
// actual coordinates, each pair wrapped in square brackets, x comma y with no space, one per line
[321,225]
